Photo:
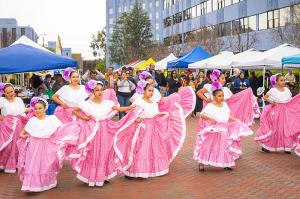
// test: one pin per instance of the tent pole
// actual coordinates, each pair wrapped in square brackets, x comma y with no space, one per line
[282,69]
[263,101]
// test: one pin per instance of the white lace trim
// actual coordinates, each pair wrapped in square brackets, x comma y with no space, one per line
[11,135]
[216,164]
[96,183]
[146,175]
[38,189]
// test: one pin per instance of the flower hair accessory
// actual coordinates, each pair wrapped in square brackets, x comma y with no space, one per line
[216,86]
[144,75]
[273,79]
[91,85]
[67,73]
[141,86]
[34,100]
[215,75]
[2,86]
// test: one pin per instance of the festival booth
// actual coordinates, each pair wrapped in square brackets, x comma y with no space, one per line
[197,54]
[27,56]
[144,65]
[221,61]
[162,64]
[131,64]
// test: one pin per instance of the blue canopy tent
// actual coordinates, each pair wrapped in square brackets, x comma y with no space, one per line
[293,60]
[197,54]
[19,58]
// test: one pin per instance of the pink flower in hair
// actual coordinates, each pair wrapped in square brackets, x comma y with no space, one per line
[90,85]
[144,75]
[273,80]
[216,86]
[215,75]
[141,86]
[2,85]
[33,101]
[67,73]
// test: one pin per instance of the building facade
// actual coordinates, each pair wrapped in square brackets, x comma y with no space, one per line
[10,31]
[67,52]
[174,21]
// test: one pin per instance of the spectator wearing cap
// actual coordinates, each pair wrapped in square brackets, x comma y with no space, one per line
[93,75]
[241,83]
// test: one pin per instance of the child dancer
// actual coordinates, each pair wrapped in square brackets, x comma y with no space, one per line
[218,133]
[69,96]
[12,121]
[146,76]
[93,157]
[147,147]
[280,122]
[244,99]
[38,162]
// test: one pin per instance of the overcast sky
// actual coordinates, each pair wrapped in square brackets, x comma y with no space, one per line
[75,21]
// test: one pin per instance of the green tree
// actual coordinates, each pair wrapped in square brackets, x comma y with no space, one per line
[98,44]
[131,36]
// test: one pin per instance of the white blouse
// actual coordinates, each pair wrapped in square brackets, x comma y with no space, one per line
[220,114]
[227,92]
[97,111]
[17,107]
[71,96]
[155,98]
[42,128]
[279,96]
[150,110]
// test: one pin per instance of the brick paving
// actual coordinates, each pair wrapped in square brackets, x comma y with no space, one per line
[256,175]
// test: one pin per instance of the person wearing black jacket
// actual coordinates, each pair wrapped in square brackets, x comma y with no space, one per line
[254,83]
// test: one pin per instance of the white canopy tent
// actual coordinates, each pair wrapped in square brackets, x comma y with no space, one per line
[270,59]
[26,41]
[220,61]
[162,64]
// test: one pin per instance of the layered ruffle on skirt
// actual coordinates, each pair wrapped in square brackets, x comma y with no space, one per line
[10,129]
[280,126]
[218,145]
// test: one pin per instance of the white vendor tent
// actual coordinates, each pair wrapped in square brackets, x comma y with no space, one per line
[162,64]
[220,61]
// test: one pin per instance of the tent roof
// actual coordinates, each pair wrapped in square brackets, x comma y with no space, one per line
[26,41]
[220,61]
[291,61]
[162,64]
[270,58]
[197,54]
[144,65]
[20,57]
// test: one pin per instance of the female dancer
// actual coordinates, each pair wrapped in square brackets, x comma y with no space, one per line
[244,99]
[12,121]
[280,122]
[93,157]
[38,162]
[146,76]
[69,96]
[148,146]
[218,133]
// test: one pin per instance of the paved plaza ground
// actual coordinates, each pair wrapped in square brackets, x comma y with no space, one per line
[256,175]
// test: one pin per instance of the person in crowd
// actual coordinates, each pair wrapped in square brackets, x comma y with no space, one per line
[191,81]
[290,78]
[47,81]
[279,123]
[147,147]
[69,96]
[241,83]
[39,162]
[59,81]
[218,134]
[11,123]
[152,71]
[110,78]
[161,81]
[132,76]
[254,83]
[232,78]
[93,74]
[173,83]
[41,93]
[37,83]
[95,161]
[125,89]
[202,79]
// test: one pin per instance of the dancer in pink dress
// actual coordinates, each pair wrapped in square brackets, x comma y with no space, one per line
[93,158]
[218,133]
[69,96]
[38,162]
[244,99]
[280,121]
[148,146]
[12,121]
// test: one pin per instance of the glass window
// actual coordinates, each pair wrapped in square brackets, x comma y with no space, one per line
[236,26]
[227,2]
[252,23]
[157,4]
[14,34]
[187,14]
[144,6]
[150,5]
[157,37]
[22,31]
[194,12]
[263,21]
[150,16]
[208,6]
[285,14]
[168,22]
[111,20]
[273,19]
[110,11]
[215,4]
[157,26]
[227,28]
[157,15]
